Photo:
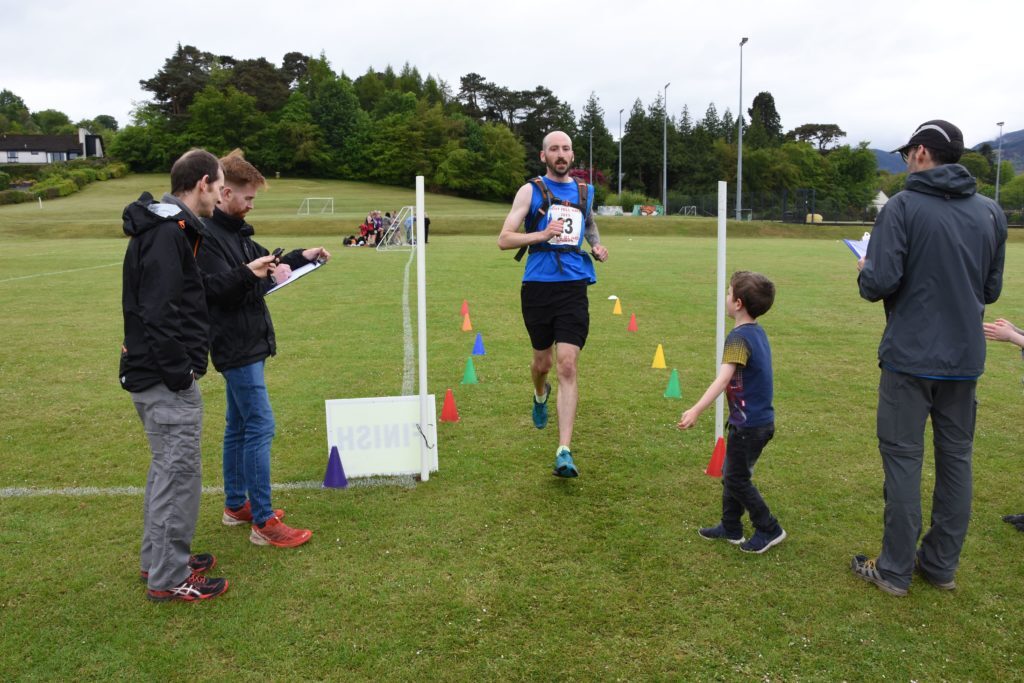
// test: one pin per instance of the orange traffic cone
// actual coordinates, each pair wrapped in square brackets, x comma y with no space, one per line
[632,323]
[714,468]
[467,326]
[449,413]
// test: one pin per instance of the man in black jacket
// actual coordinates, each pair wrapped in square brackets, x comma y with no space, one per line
[242,337]
[162,356]
[935,259]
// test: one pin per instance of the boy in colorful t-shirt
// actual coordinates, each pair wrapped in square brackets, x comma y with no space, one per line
[1004,330]
[746,377]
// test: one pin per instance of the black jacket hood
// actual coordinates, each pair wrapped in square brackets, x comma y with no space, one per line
[145,213]
[947,180]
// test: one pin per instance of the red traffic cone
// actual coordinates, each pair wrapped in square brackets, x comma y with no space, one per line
[714,468]
[449,413]
[465,308]
[632,323]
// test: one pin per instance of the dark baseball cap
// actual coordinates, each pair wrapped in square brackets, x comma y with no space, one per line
[938,135]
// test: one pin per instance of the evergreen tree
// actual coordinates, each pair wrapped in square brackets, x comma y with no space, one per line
[182,77]
[592,128]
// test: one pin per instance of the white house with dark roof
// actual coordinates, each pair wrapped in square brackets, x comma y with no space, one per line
[46,149]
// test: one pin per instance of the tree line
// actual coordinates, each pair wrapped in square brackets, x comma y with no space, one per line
[303,118]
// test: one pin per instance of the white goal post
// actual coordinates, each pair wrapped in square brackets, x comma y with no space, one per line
[398,235]
[311,205]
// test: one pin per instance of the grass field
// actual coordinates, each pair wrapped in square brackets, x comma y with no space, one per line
[494,569]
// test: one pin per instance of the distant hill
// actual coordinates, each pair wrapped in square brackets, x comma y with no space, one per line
[889,162]
[1013,151]
[1013,148]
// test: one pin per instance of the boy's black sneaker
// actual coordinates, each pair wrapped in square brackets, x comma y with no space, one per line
[1016,520]
[761,541]
[195,587]
[197,563]
[714,533]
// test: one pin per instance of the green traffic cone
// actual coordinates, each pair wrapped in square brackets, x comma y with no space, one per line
[672,391]
[469,377]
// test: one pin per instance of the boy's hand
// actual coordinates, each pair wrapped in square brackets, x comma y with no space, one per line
[1000,330]
[688,419]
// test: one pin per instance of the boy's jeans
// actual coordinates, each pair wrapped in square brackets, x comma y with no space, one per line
[247,436]
[742,450]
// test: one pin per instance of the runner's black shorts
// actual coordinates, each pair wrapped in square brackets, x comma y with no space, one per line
[556,312]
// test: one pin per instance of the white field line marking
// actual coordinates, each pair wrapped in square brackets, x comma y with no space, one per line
[409,368]
[59,272]
[404,481]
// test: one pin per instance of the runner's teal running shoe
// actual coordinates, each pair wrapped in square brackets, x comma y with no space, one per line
[540,410]
[564,466]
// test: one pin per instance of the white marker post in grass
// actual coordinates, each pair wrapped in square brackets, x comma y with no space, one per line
[720,318]
[428,433]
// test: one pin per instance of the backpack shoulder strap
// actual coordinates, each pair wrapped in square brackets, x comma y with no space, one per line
[532,222]
[584,191]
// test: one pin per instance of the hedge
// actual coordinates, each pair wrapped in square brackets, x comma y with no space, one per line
[57,180]
[14,197]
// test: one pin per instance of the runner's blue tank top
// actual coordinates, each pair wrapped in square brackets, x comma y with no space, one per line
[542,266]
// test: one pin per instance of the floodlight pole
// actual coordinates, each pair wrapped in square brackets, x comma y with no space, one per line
[620,156]
[739,148]
[664,153]
[591,178]
[999,158]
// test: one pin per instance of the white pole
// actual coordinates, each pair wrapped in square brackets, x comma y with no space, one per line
[421,317]
[720,316]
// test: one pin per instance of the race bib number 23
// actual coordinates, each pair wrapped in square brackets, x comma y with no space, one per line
[572,224]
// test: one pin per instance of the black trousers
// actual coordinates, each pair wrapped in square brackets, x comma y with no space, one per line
[743,448]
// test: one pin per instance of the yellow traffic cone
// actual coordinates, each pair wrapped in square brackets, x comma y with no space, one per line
[618,308]
[659,359]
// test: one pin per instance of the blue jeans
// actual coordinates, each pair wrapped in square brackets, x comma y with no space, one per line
[247,436]
[742,450]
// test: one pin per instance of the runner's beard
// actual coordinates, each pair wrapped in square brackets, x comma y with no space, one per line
[553,167]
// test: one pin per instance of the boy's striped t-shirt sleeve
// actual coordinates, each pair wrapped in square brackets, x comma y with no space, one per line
[736,350]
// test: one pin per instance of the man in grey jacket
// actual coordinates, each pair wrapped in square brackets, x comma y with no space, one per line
[935,259]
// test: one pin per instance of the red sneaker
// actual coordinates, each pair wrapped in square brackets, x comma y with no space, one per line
[197,563]
[277,533]
[243,516]
[195,587]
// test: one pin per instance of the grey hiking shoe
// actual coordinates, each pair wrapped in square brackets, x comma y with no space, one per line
[865,568]
[938,583]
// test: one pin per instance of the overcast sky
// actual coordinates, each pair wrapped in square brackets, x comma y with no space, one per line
[877,69]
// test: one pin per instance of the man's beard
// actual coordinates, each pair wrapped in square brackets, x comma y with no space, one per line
[554,171]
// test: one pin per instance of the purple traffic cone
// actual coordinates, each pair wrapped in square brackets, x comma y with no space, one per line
[335,477]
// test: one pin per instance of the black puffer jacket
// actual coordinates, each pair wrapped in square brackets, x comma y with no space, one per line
[241,331]
[936,259]
[164,305]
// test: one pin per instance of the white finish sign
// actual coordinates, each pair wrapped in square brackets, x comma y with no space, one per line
[381,436]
